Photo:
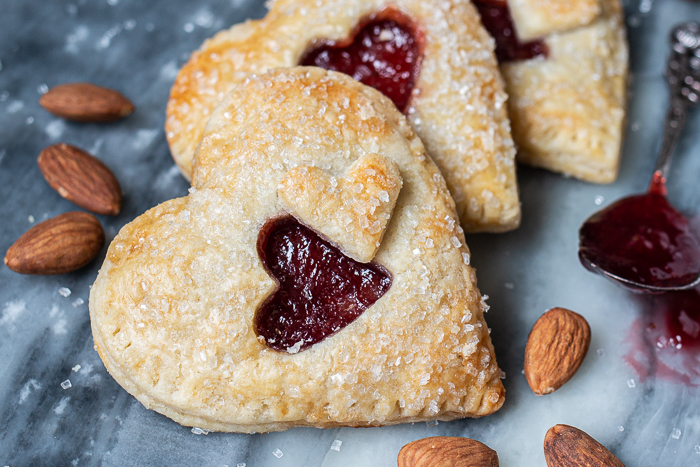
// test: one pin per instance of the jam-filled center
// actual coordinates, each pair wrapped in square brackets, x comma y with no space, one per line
[495,15]
[642,239]
[384,53]
[320,289]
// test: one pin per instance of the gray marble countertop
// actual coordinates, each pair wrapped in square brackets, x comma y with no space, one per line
[647,418]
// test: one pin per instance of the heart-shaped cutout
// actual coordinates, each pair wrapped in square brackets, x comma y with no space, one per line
[384,52]
[352,211]
[320,290]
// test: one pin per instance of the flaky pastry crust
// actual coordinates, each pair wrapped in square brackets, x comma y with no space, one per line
[537,18]
[458,107]
[173,306]
[568,111]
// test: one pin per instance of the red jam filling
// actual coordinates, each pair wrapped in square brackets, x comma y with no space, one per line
[495,15]
[384,53]
[643,239]
[320,289]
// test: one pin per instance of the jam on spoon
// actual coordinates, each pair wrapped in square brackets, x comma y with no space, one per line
[320,290]
[642,241]
[495,15]
[384,52]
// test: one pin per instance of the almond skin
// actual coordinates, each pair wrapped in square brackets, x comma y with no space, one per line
[555,349]
[85,102]
[81,178]
[62,244]
[444,451]
[566,446]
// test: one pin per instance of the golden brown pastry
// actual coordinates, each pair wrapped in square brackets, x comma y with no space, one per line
[445,80]
[566,89]
[214,309]
[537,18]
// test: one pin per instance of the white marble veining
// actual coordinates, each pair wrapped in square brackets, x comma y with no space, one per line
[45,339]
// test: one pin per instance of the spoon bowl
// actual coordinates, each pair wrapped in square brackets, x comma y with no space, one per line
[643,243]
[633,286]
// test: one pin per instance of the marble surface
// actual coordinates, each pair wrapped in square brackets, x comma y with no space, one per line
[45,340]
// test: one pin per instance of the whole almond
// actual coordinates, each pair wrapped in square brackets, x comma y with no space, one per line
[555,349]
[62,244]
[444,451]
[566,446]
[81,178]
[85,102]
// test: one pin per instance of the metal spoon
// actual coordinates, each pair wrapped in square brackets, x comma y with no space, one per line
[683,78]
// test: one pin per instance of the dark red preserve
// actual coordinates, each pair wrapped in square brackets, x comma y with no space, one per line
[384,54]
[320,289]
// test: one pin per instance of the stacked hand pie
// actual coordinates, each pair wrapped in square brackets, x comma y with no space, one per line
[433,58]
[317,273]
[565,66]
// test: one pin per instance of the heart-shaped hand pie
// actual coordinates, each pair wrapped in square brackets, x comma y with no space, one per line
[565,67]
[433,59]
[222,311]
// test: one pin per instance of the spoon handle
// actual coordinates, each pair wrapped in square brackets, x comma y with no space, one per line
[682,74]
[675,121]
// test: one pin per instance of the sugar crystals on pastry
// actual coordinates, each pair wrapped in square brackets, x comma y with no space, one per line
[258,303]
[565,66]
[433,59]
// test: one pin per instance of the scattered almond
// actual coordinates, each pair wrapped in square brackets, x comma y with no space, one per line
[62,244]
[566,446]
[555,349]
[81,178]
[444,451]
[85,102]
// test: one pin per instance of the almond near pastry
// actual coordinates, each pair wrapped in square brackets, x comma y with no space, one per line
[228,311]
[434,59]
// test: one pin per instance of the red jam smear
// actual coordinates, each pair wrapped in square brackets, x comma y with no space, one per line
[384,53]
[643,239]
[495,15]
[681,312]
[320,289]
[666,339]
